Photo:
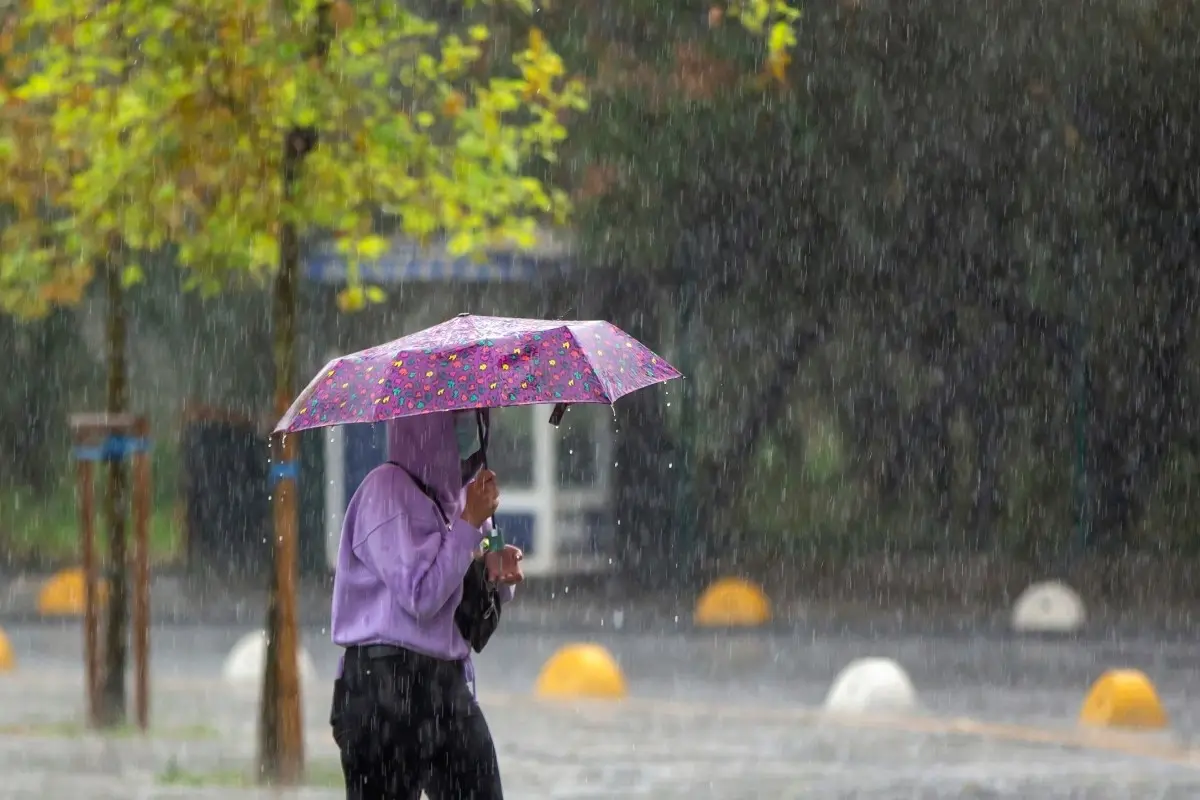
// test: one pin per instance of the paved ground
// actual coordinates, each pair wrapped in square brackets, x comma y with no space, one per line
[712,716]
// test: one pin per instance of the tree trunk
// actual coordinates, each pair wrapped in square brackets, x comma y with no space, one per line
[44,410]
[112,710]
[724,477]
[32,407]
[281,741]
[985,494]
[683,541]
[1129,446]
[942,467]
[644,499]
[644,493]
[281,723]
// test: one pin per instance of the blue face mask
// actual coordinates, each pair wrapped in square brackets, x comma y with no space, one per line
[466,433]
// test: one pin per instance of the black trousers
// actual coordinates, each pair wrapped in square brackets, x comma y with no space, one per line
[407,723]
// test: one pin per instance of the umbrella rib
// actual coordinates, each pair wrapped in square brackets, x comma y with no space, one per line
[609,390]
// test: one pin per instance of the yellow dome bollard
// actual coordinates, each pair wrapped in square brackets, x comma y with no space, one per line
[1124,698]
[63,594]
[7,662]
[733,602]
[581,671]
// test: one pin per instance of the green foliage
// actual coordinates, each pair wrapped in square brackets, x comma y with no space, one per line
[774,21]
[183,111]
[325,775]
[35,172]
[76,730]
[46,529]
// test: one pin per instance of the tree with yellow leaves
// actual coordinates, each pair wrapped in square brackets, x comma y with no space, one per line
[34,174]
[41,267]
[230,130]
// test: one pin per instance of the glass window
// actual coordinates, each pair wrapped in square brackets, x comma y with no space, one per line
[579,446]
[584,533]
[510,447]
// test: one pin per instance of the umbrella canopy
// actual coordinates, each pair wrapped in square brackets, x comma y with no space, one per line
[479,362]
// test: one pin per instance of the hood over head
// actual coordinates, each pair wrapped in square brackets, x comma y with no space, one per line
[427,448]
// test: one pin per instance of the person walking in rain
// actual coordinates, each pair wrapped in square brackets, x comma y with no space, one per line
[404,713]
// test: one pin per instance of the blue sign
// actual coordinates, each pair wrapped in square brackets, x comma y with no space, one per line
[517,529]
[406,262]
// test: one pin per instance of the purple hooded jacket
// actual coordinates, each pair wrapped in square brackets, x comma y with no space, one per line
[400,567]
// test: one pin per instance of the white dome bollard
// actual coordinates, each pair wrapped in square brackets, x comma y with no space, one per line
[247,661]
[1048,607]
[871,686]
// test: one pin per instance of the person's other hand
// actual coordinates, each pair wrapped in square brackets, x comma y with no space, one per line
[504,566]
[483,498]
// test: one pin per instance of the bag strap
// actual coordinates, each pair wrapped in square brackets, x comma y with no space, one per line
[425,490]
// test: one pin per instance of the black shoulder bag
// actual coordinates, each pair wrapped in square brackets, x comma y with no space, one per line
[478,613]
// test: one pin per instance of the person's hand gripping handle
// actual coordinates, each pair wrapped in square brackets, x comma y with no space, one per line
[483,498]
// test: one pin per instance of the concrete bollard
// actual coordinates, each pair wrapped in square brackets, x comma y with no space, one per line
[871,686]
[247,661]
[1048,607]
[1126,699]
[733,602]
[581,671]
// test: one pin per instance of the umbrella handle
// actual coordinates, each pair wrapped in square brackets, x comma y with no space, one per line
[495,539]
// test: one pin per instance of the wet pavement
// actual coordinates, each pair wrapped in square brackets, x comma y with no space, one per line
[710,715]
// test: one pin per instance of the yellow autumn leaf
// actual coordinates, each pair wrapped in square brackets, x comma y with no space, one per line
[351,299]
[371,247]
[131,275]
